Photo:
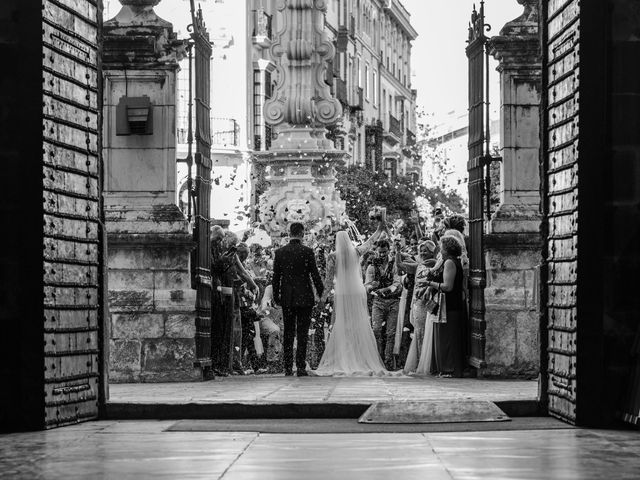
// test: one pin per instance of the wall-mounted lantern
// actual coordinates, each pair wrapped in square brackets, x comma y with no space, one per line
[134,116]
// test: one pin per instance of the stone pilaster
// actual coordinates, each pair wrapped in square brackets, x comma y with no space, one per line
[513,245]
[152,305]
[517,49]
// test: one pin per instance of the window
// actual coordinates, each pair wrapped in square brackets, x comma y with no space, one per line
[390,168]
[375,88]
[359,72]
[367,86]
[384,102]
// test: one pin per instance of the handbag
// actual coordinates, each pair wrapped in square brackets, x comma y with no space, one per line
[433,305]
[442,310]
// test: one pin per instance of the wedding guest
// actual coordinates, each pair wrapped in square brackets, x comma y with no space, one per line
[248,315]
[384,283]
[458,222]
[421,349]
[404,328]
[271,328]
[257,263]
[221,308]
[228,270]
[449,338]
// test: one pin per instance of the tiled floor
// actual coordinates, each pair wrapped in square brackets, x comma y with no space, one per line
[140,450]
[280,389]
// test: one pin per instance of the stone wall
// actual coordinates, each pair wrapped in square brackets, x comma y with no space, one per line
[152,314]
[512,305]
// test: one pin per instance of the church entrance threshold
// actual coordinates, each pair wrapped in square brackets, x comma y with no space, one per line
[309,397]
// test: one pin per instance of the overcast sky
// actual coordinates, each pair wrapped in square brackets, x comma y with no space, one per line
[438,59]
[439,63]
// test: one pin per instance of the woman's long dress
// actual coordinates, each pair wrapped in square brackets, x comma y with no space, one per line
[449,338]
[420,356]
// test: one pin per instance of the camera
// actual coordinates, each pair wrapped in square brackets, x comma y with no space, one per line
[378,213]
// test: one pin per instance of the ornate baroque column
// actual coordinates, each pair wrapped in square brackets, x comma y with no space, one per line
[151,303]
[300,164]
[513,247]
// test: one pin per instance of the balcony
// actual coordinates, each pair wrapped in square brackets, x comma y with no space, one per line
[394,133]
[357,99]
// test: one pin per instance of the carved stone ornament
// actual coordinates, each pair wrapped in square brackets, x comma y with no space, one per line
[301,51]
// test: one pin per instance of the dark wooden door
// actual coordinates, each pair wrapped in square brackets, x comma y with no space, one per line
[73,236]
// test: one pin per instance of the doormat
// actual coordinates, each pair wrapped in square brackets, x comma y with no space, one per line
[456,411]
[351,425]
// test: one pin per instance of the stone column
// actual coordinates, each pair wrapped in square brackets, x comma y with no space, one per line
[152,305]
[300,164]
[513,245]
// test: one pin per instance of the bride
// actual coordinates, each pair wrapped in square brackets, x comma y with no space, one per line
[351,348]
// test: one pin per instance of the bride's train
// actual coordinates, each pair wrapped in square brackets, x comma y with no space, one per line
[351,349]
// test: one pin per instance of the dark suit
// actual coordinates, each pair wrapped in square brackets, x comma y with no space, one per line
[294,268]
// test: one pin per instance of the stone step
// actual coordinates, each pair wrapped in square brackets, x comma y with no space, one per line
[265,410]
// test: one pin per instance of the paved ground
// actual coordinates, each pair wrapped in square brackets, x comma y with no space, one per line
[280,389]
[141,450]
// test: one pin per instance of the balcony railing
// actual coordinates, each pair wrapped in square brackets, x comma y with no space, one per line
[224,133]
[395,126]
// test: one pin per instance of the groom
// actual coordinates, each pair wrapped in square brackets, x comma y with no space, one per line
[294,267]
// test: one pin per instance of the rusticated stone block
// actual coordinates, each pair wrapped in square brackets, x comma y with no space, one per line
[505,298]
[517,259]
[175,300]
[168,360]
[159,258]
[124,360]
[127,279]
[137,325]
[172,280]
[181,325]
[130,301]
[505,279]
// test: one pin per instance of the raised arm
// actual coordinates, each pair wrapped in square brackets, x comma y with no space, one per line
[406,264]
[245,275]
[368,245]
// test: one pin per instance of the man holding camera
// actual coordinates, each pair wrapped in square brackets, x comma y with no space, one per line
[384,283]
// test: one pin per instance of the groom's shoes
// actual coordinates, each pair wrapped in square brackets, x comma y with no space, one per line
[302,373]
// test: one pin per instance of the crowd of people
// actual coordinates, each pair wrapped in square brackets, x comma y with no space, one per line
[417,301]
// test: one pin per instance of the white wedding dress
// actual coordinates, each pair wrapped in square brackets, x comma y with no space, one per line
[351,349]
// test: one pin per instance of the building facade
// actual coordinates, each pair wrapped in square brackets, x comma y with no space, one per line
[370,76]
[446,164]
